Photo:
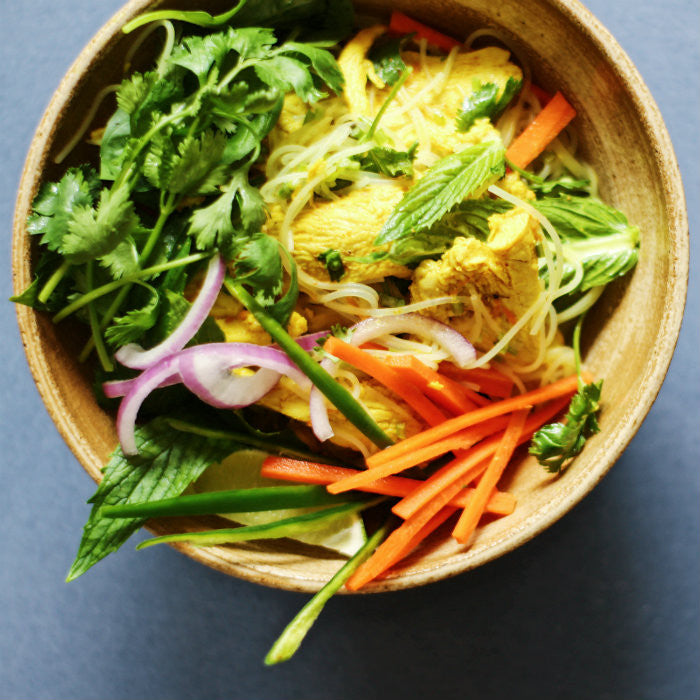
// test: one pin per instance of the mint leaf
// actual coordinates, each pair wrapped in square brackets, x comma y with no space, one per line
[388,161]
[57,203]
[451,180]
[556,443]
[169,461]
[484,101]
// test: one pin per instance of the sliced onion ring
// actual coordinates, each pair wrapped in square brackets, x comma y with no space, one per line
[206,372]
[447,338]
[143,385]
[135,357]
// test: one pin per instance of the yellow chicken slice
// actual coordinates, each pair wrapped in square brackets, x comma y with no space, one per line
[426,107]
[240,326]
[348,225]
[502,272]
[391,415]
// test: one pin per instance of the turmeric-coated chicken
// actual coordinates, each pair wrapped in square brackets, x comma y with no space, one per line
[501,273]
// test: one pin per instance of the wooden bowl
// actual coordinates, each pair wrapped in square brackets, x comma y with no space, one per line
[630,337]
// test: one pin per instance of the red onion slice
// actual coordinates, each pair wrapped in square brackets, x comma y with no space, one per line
[206,372]
[121,387]
[135,357]
[450,340]
[142,386]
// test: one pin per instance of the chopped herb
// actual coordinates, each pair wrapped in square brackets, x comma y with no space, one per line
[333,261]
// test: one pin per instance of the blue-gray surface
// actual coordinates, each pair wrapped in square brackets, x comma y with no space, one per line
[603,605]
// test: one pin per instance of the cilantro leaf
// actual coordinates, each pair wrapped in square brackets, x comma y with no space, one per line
[194,168]
[94,232]
[134,323]
[285,74]
[216,224]
[57,202]
[484,101]
[113,146]
[333,261]
[322,62]
[385,55]
[556,443]
[452,179]
[169,461]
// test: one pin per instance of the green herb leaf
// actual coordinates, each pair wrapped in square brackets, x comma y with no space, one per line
[556,443]
[197,168]
[93,233]
[385,55]
[333,261]
[285,74]
[169,461]
[485,101]
[134,323]
[322,61]
[388,161]
[57,203]
[598,236]
[452,179]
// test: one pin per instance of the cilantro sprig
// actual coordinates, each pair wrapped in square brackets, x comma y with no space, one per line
[174,181]
[556,444]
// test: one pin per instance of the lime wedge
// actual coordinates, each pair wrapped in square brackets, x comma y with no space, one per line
[241,470]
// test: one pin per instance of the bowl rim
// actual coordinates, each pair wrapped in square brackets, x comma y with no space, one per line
[549,512]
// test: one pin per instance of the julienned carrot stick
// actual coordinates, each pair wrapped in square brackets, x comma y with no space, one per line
[442,390]
[427,529]
[365,362]
[474,463]
[477,503]
[499,408]
[544,128]
[457,443]
[489,381]
[299,471]
[395,546]
[403,24]
[454,443]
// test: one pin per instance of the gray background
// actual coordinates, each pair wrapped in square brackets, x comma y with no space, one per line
[602,605]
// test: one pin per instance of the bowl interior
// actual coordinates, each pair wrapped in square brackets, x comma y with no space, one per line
[629,338]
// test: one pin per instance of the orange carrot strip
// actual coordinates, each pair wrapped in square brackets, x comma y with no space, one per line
[541,131]
[287,469]
[477,503]
[442,390]
[458,442]
[530,398]
[473,463]
[423,406]
[395,546]
[433,524]
[402,24]
[490,381]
